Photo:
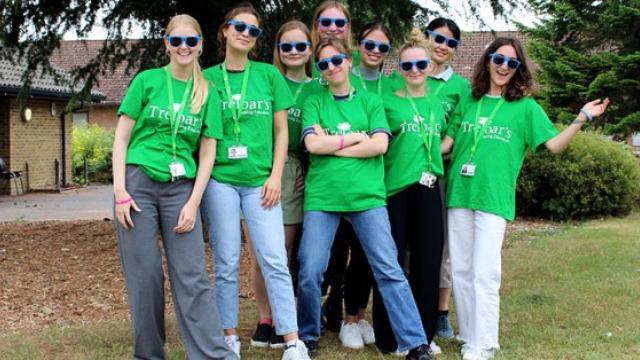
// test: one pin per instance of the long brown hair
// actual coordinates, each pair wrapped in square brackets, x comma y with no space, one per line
[520,85]
[315,36]
[288,26]
[200,87]
[243,8]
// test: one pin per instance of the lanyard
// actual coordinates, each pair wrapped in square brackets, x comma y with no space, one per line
[364,83]
[236,110]
[437,90]
[175,123]
[427,137]
[477,131]
[299,91]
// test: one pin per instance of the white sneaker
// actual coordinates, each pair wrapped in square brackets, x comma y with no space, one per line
[350,336]
[233,342]
[367,332]
[298,351]
[435,349]
[399,353]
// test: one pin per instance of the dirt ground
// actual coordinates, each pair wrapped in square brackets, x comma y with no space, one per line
[68,272]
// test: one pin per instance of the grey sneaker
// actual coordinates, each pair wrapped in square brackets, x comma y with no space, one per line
[297,351]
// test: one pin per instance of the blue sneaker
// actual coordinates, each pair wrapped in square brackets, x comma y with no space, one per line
[444,327]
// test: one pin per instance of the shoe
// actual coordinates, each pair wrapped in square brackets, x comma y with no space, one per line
[435,349]
[313,347]
[444,329]
[422,352]
[297,351]
[331,316]
[350,336]
[276,341]
[261,336]
[465,349]
[233,342]
[397,353]
[366,331]
[488,353]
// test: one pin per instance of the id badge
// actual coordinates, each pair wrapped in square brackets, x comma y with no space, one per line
[428,179]
[177,170]
[468,170]
[238,152]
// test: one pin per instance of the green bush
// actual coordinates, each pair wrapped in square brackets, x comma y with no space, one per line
[93,143]
[593,177]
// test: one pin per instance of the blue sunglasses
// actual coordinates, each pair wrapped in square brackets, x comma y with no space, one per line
[241,26]
[336,60]
[326,22]
[419,64]
[440,39]
[371,45]
[500,59]
[299,46]
[176,41]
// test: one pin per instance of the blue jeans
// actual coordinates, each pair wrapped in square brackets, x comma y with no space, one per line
[221,206]
[373,230]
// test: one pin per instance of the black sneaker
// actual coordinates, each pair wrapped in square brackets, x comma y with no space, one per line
[422,352]
[313,347]
[276,341]
[261,336]
[331,315]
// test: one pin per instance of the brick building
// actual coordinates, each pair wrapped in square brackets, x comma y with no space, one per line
[36,140]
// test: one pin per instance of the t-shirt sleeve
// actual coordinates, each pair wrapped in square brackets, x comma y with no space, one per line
[310,117]
[134,99]
[282,98]
[212,120]
[540,128]
[377,117]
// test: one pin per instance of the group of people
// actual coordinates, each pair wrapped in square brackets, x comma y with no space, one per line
[338,173]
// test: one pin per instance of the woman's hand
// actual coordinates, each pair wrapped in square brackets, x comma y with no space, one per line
[187,218]
[300,182]
[271,191]
[123,209]
[596,107]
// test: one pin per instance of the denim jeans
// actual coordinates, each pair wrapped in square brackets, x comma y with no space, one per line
[373,230]
[221,205]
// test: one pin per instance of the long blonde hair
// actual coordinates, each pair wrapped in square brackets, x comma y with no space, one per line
[200,87]
[288,26]
[315,36]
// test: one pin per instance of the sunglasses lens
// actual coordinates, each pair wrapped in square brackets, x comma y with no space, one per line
[498,59]
[512,64]
[323,65]
[452,43]
[240,27]
[175,41]
[336,60]
[369,45]
[254,31]
[286,47]
[422,64]
[384,48]
[406,66]
[325,22]
[301,47]
[191,41]
[439,39]
[340,22]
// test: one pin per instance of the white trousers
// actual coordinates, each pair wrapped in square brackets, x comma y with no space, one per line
[475,243]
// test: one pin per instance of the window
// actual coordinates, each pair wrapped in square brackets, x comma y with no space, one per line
[80,118]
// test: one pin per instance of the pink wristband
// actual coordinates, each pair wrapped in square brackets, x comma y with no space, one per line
[341,146]
[125,201]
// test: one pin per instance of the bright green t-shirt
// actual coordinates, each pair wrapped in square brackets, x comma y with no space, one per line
[267,93]
[450,91]
[295,113]
[380,87]
[341,183]
[517,126]
[407,156]
[150,144]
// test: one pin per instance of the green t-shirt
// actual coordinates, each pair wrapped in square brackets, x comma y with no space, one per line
[517,126]
[150,144]
[342,183]
[380,87]
[295,113]
[407,156]
[450,91]
[267,93]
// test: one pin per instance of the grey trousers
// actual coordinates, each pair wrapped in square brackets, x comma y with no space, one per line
[193,294]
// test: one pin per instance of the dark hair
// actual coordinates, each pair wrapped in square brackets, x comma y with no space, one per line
[440,22]
[242,8]
[371,27]
[520,85]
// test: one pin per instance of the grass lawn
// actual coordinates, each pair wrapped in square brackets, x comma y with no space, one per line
[568,293]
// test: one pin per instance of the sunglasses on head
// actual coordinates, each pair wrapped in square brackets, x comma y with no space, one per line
[336,60]
[241,26]
[176,41]
[419,64]
[440,39]
[326,22]
[299,46]
[500,59]
[370,45]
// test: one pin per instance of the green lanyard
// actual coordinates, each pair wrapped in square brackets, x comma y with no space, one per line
[427,137]
[299,91]
[437,91]
[236,110]
[364,83]
[477,131]
[175,123]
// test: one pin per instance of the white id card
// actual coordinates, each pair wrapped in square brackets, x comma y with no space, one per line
[238,152]
[468,170]
[177,170]
[428,179]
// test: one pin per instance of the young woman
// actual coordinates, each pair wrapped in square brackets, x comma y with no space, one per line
[413,166]
[250,161]
[346,133]
[165,115]
[374,44]
[291,55]
[492,131]
[450,87]
[331,20]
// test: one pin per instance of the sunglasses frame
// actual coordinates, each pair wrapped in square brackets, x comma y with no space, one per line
[183,40]
[294,45]
[376,45]
[333,21]
[248,27]
[414,64]
[505,59]
[444,39]
[339,58]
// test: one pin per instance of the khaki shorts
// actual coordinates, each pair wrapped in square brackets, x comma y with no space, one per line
[292,199]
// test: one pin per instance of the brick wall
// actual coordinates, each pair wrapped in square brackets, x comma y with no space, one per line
[104,115]
[4,139]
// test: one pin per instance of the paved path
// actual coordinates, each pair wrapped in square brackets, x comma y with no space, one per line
[90,203]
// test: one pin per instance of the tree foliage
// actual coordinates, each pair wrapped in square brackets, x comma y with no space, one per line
[589,49]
